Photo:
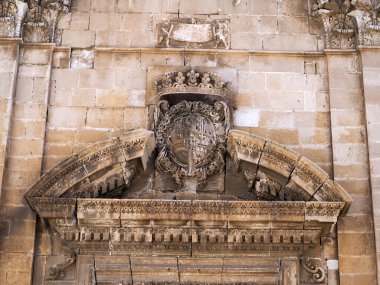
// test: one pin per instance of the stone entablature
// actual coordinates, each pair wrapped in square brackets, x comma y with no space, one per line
[194,229]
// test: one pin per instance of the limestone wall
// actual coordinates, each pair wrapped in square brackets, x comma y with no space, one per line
[55,100]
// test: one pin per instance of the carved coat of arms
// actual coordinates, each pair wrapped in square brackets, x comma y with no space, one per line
[191,135]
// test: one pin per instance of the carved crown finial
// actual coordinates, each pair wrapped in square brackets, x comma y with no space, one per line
[192,82]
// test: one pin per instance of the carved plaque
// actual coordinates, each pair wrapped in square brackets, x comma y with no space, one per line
[194,33]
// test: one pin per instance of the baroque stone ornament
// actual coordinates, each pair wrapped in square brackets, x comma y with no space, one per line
[194,33]
[349,23]
[12,14]
[267,219]
[33,20]
[191,136]
[41,22]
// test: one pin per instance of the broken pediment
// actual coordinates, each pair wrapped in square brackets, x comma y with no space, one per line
[191,187]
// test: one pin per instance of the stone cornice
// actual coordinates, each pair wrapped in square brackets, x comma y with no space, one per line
[170,227]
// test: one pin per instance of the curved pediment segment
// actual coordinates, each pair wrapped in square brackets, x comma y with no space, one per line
[102,170]
[273,172]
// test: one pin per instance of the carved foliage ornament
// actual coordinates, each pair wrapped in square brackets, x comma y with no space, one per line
[349,23]
[33,20]
[194,33]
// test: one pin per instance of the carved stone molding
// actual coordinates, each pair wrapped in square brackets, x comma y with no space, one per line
[81,175]
[194,33]
[274,173]
[34,21]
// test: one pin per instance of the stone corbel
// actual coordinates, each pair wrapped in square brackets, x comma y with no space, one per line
[12,17]
[317,273]
[58,271]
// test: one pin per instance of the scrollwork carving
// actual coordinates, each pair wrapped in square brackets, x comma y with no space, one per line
[58,271]
[317,272]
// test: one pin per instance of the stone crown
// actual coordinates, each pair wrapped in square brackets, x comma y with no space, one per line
[191,81]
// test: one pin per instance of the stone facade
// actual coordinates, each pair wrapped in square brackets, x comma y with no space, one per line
[284,189]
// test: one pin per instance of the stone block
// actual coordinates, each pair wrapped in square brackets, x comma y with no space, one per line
[103,7]
[103,60]
[82,59]
[256,7]
[286,101]
[109,38]
[356,243]
[293,8]
[143,39]
[268,24]
[33,70]
[58,149]
[131,79]
[9,52]
[251,41]
[79,20]
[276,63]
[245,24]
[78,39]
[82,6]
[65,78]
[351,171]
[344,64]
[112,118]
[147,6]
[293,25]
[91,78]
[198,7]
[60,136]
[293,42]
[355,186]
[345,80]
[283,136]
[37,56]
[137,22]
[347,118]
[92,136]
[277,120]
[26,147]
[83,97]
[6,82]
[135,118]
[314,136]
[346,99]
[246,117]
[69,117]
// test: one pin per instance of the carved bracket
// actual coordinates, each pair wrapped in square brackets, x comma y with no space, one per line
[58,271]
[317,273]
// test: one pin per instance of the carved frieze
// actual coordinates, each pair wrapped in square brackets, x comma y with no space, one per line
[194,33]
